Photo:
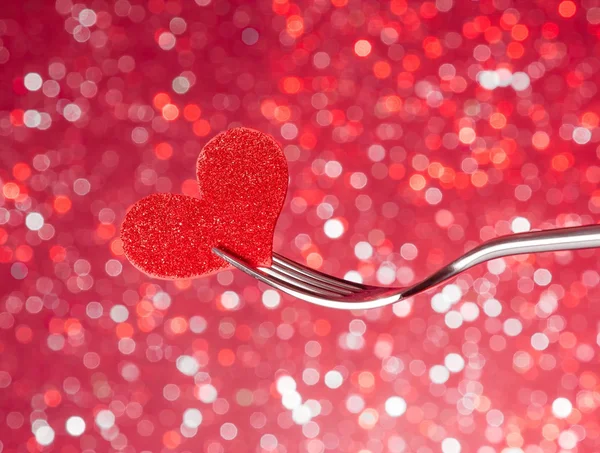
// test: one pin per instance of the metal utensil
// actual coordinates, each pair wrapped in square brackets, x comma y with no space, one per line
[318,288]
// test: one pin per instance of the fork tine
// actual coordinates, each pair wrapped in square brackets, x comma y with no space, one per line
[316,295]
[292,290]
[334,281]
[289,272]
[302,283]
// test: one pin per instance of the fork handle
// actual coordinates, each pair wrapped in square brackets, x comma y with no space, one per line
[555,240]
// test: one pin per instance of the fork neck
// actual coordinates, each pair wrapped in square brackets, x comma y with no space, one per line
[555,240]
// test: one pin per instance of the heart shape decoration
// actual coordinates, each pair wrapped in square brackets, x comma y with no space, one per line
[243,176]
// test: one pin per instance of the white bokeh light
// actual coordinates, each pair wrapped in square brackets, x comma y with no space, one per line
[192,418]
[520,225]
[75,426]
[492,308]
[207,393]
[44,435]
[454,362]
[439,374]
[333,379]
[363,250]
[520,81]
[451,445]
[581,135]
[453,319]
[502,78]
[32,118]
[333,228]
[34,221]
[105,419]
[286,384]
[187,365]
[271,298]
[72,112]
[33,81]
[301,414]
[512,327]
[561,407]
[469,311]
[119,313]
[291,400]
[539,341]
[386,274]
[488,79]
[395,406]
[568,440]
[230,300]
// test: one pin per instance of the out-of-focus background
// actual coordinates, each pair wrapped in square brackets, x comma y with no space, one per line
[413,131]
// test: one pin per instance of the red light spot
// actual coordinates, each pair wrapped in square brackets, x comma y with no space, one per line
[432,47]
[469,31]
[493,35]
[519,32]
[21,171]
[295,26]
[411,62]
[163,151]
[226,357]
[23,252]
[190,187]
[481,23]
[161,99]
[398,7]
[291,85]
[515,50]
[550,30]
[52,398]
[281,7]
[322,327]
[479,178]
[590,120]
[62,204]
[192,112]
[567,8]
[57,253]
[16,117]
[24,334]
[124,330]
[562,162]
[382,69]
[171,440]
[201,128]
[428,10]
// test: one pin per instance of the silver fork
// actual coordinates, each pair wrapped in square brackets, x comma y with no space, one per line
[318,288]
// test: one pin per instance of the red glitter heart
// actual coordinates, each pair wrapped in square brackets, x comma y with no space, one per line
[243,177]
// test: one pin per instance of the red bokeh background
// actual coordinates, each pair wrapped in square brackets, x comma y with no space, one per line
[413,131]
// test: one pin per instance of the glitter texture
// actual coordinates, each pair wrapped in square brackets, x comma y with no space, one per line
[242,178]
